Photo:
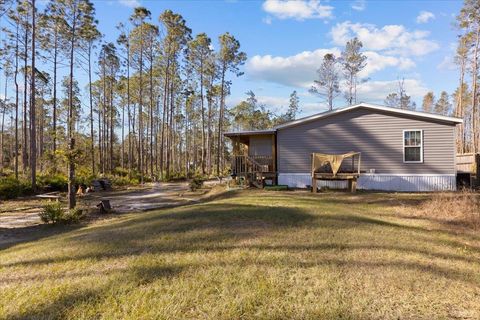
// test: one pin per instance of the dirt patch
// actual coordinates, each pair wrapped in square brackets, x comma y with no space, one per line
[19,220]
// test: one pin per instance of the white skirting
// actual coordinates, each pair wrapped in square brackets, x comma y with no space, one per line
[386,182]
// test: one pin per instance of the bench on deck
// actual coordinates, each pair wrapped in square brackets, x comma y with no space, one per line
[335,167]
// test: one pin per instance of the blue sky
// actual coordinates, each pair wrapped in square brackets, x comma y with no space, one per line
[285,42]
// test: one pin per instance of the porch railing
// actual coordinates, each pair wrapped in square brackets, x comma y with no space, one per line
[251,164]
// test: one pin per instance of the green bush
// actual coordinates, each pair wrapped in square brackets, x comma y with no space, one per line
[119,171]
[72,216]
[84,176]
[196,183]
[53,182]
[11,188]
[177,176]
[123,181]
[52,213]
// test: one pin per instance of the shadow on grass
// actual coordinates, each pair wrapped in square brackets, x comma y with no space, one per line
[13,236]
[60,306]
[222,227]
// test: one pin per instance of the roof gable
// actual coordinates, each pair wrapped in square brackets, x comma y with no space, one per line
[418,114]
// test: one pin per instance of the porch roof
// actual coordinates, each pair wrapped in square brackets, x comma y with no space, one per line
[248,133]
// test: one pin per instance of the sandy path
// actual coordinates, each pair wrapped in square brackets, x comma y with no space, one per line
[19,221]
[23,213]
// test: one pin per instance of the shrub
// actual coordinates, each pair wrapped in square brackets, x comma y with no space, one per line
[72,216]
[123,181]
[11,188]
[119,171]
[52,213]
[84,176]
[196,183]
[53,182]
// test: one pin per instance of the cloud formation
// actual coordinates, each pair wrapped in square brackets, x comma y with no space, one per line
[359,5]
[299,70]
[425,16]
[130,3]
[392,39]
[296,71]
[298,9]
[376,91]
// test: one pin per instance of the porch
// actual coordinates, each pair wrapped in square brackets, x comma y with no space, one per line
[254,157]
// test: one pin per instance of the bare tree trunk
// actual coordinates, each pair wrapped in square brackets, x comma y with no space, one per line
[54,115]
[92,136]
[33,139]
[71,160]
[220,121]
[103,110]
[130,150]
[16,103]
[164,115]
[170,126]
[152,104]
[3,122]
[203,117]
[459,108]
[474,91]
[112,124]
[25,101]
[140,111]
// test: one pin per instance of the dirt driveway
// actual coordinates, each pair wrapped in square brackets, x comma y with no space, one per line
[19,218]
[155,196]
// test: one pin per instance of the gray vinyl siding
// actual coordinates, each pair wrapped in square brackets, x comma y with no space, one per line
[377,135]
[260,145]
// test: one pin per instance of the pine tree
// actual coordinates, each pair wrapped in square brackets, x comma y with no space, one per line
[392,100]
[443,104]
[428,102]
[229,59]
[138,50]
[327,85]
[75,15]
[353,61]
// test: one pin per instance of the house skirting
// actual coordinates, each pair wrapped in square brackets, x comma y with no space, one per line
[385,182]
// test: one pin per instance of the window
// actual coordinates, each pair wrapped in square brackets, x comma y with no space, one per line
[413,146]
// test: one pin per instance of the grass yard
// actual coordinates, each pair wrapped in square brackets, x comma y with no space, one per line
[251,255]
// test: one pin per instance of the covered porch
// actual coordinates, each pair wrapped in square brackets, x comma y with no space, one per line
[254,156]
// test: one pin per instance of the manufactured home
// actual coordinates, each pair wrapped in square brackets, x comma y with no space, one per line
[401,150]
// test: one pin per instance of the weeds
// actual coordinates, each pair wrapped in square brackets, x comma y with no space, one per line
[457,208]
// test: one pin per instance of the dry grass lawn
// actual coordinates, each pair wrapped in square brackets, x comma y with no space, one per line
[251,255]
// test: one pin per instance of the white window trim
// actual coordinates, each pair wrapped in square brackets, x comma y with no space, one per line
[421,145]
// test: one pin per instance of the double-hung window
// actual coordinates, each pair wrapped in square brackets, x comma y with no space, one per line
[412,146]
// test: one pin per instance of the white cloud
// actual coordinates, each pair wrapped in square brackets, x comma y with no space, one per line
[359,5]
[377,62]
[296,71]
[298,9]
[393,39]
[425,16]
[300,70]
[376,91]
[447,64]
[130,3]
